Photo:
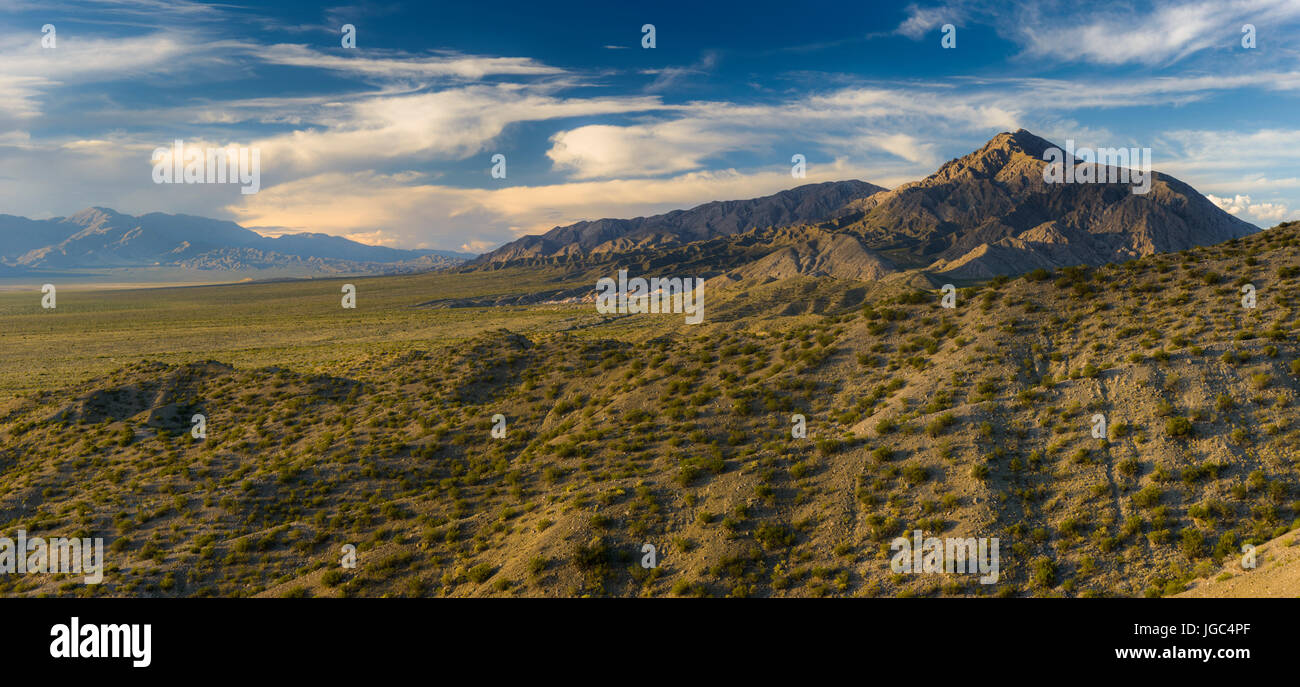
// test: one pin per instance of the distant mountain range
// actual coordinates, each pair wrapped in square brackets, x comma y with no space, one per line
[97,238]
[988,213]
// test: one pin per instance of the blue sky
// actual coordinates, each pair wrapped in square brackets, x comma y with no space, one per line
[391,142]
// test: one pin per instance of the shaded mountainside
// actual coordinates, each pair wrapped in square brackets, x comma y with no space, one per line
[802,205]
[105,238]
[975,421]
[986,214]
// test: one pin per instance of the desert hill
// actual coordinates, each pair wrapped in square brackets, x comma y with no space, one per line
[622,431]
[1276,574]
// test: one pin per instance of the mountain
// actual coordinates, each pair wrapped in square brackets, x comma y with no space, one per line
[19,235]
[985,214]
[991,213]
[801,205]
[104,238]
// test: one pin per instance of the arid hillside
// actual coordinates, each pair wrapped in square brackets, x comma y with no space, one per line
[621,431]
[1273,571]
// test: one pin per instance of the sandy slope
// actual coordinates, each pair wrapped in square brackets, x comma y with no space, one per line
[1276,574]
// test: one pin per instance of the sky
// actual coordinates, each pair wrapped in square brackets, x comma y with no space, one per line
[392,141]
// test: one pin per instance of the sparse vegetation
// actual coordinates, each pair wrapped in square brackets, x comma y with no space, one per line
[653,432]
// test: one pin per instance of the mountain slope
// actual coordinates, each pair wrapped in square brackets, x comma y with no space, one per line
[802,205]
[18,235]
[1276,574]
[102,237]
[988,213]
[832,255]
[991,213]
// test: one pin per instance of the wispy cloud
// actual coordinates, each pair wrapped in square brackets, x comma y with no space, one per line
[29,71]
[402,66]
[673,77]
[921,21]
[1163,33]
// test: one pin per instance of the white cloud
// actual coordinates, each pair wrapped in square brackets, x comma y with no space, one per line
[1241,150]
[1233,164]
[860,122]
[1242,205]
[600,150]
[907,147]
[448,124]
[139,9]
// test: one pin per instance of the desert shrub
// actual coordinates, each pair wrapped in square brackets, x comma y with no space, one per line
[936,426]
[915,474]
[1148,496]
[1193,542]
[773,536]
[1178,427]
[1044,572]
[480,573]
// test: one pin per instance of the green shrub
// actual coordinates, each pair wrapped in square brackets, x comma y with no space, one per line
[1178,427]
[1148,496]
[480,573]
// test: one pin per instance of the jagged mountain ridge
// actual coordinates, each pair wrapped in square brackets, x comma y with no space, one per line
[991,213]
[806,204]
[978,216]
